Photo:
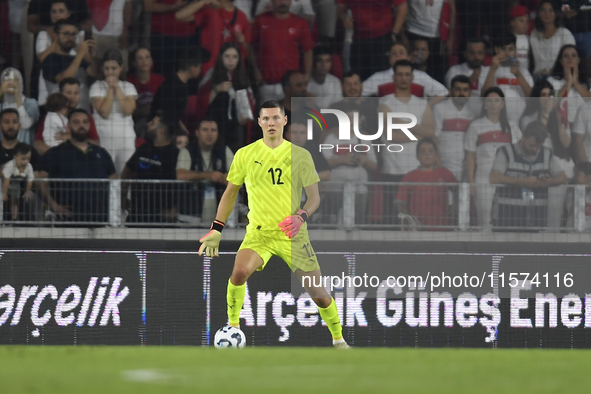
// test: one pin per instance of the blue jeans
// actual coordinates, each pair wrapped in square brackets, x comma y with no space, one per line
[583,41]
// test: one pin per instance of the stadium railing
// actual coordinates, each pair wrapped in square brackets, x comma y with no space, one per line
[344,205]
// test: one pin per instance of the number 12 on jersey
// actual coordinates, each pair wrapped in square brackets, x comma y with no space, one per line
[277,171]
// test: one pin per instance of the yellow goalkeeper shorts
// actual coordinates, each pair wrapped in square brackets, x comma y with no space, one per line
[297,252]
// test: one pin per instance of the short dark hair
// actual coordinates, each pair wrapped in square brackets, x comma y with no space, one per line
[476,40]
[459,78]
[57,26]
[403,63]
[272,104]
[68,81]
[537,130]
[189,58]
[285,79]
[322,50]
[22,148]
[350,74]
[9,111]
[78,111]
[502,40]
[134,53]
[112,54]
[206,119]
[426,141]
[56,102]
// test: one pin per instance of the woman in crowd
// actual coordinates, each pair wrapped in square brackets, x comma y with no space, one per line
[569,80]
[11,96]
[226,90]
[543,107]
[146,83]
[484,136]
[114,102]
[548,37]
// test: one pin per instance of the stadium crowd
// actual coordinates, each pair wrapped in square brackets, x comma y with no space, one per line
[168,90]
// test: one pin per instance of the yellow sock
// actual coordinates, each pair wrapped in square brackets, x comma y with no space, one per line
[235,299]
[331,317]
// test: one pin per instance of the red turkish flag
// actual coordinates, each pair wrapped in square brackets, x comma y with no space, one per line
[99,12]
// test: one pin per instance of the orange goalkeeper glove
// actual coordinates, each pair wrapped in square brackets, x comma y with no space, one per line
[291,225]
[211,241]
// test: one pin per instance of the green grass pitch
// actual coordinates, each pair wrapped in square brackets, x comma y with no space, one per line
[49,369]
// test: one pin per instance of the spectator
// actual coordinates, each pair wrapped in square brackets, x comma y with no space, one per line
[520,28]
[296,133]
[225,95]
[220,22]
[181,140]
[420,54]
[69,87]
[472,68]
[172,96]
[452,118]
[77,158]
[527,168]
[423,84]
[577,19]
[207,164]
[11,96]
[396,165]
[110,26]
[40,14]
[60,64]
[114,101]
[485,135]
[301,8]
[374,31]
[428,203]
[146,83]
[16,172]
[348,166]
[548,37]
[294,86]
[351,85]
[15,13]
[47,43]
[9,128]
[169,37]
[570,80]
[423,22]
[582,176]
[155,159]
[323,85]
[506,73]
[55,124]
[281,41]
[542,107]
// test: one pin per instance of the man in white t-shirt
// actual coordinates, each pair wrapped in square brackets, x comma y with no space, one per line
[423,84]
[323,85]
[452,118]
[506,73]
[397,164]
[472,68]
[520,27]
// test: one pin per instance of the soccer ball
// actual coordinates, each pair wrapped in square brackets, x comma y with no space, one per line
[229,337]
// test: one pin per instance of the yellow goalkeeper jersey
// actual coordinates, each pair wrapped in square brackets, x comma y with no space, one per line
[274,179]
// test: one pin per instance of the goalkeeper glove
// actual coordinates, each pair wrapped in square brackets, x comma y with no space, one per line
[291,225]
[211,241]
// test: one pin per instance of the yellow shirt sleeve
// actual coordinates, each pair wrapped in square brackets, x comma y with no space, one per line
[309,176]
[237,170]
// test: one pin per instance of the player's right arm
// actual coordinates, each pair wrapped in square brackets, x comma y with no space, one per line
[227,202]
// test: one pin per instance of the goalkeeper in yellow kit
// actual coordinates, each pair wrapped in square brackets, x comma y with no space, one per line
[275,172]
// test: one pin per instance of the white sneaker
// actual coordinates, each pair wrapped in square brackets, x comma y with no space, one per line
[340,344]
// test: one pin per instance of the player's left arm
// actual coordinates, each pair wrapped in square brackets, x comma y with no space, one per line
[313,201]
